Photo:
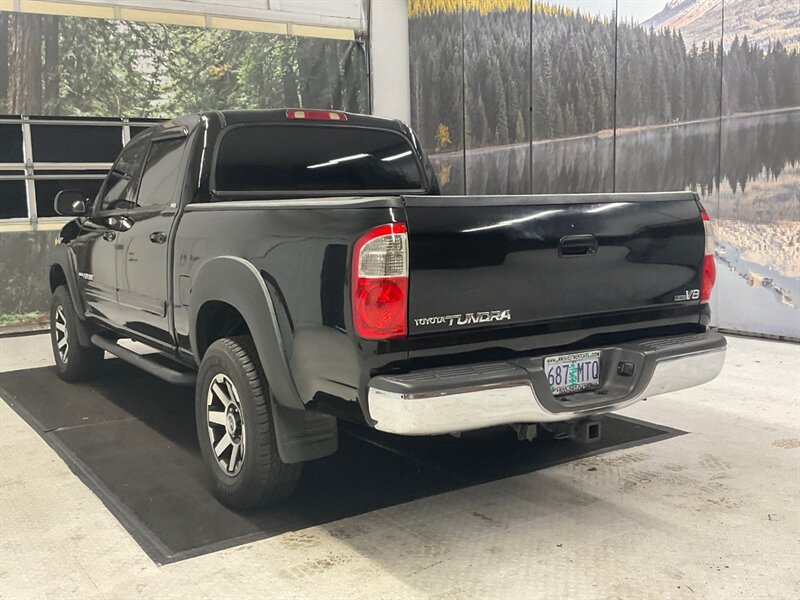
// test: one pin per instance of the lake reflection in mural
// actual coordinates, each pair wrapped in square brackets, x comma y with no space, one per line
[758,225]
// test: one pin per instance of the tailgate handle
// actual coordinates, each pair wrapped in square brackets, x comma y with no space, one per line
[577,245]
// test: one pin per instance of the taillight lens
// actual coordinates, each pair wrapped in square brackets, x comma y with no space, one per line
[709,266]
[380,283]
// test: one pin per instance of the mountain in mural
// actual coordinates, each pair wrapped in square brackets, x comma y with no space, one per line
[763,21]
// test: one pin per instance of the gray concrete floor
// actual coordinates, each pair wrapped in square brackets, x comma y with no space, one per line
[712,514]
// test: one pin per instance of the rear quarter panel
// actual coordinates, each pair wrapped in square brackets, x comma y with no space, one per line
[302,251]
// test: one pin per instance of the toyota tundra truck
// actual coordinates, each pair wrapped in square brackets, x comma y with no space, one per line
[301,266]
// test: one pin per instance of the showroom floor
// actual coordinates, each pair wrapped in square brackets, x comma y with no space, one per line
[711,514]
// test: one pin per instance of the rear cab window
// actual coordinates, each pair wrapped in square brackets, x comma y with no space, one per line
[279,160]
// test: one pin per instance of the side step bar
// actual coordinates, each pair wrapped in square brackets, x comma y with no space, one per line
[144,363]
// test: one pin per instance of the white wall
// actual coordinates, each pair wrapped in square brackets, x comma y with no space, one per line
[389,57]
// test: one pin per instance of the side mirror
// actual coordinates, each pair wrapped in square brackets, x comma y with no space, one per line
[70,203]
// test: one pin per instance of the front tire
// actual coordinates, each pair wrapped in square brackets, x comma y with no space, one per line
[74,362]
[235,428]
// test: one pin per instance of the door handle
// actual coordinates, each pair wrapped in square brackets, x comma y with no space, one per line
[577,245]
[109,236]
[158,237]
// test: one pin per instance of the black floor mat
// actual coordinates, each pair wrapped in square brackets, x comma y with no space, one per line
[131,439]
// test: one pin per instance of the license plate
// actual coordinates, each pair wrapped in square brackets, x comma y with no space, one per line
[570,373]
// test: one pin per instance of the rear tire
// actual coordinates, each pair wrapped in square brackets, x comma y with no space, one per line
[235,428]
[73,361]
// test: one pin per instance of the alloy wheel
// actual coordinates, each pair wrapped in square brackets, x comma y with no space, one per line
[62,335]
[225,424]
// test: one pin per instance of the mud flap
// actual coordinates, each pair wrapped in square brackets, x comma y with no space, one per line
[303,435]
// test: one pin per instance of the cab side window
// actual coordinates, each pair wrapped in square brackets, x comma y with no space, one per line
[119,190]
[162,173]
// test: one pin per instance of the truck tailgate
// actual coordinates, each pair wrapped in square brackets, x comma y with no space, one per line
[506,261]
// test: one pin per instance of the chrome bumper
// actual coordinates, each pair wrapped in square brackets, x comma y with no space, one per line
[470,397]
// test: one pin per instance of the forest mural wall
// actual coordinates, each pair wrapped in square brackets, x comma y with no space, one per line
[514,96]
[55,65]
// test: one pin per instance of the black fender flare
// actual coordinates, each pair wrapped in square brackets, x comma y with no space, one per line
[237,282]
[63,256]
[301,435]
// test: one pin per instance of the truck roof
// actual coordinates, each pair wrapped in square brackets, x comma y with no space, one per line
[278,115]
[271,115]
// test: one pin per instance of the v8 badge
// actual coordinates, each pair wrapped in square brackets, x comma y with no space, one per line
[688,295]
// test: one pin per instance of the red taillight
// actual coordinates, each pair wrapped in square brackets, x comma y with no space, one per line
[709,266]
[316,115]
[380,283]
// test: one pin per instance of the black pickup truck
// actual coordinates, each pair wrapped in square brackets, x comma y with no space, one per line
[300,266]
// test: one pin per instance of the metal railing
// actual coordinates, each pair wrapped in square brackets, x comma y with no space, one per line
[30,171]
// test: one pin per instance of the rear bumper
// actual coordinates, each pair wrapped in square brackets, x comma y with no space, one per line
[470,397]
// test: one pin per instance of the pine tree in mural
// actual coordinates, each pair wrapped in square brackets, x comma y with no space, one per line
[24,80]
